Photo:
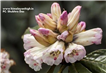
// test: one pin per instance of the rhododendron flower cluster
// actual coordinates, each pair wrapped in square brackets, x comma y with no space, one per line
[59,37]
[5,62]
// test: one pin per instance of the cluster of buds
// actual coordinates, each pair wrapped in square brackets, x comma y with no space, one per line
[59,37]
[5,63]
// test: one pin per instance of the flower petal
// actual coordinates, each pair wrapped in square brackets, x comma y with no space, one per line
[30,42]
[55,11]
[80,27]
[74,52]
[63,35]
[92,36]
[39,21]
[47,21]
[54,54]
[64,18]
[73,18]
[5,62]
[33,57]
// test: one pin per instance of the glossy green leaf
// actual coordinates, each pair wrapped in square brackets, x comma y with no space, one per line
[51,70]
[96,61]
[72,69]
[78,68]
[81,69]
[62,67]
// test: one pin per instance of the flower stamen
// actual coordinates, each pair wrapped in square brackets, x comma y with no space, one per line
[55,54]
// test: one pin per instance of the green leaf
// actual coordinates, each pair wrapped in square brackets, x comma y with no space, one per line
[72,69]
[63,66]
[81,69]
[51,69]
[78,68]
[96,61]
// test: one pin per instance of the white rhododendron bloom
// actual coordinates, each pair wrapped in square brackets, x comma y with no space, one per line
[59,38]
[54,54]
[74,52]
[30,42]
[5,62]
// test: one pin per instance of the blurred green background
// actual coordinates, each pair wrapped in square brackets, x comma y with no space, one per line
[13,25]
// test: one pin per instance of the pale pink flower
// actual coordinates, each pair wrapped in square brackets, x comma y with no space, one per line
[59,37]
[54,54]
[74,52]
[33,57]
[30,42]
[92,36]
[5,62]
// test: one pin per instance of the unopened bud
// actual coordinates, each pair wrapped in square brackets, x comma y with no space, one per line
[80,27]
[63,18]
[55,11]
[39,21]
[39,37]
[50,35]
[50,15]
[73,18]
[47,21]
[66,36]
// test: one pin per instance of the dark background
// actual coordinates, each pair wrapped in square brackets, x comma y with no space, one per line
[13,25]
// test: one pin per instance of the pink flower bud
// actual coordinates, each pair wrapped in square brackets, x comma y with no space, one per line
[47,21]
[33,32]
[73,18]
[39,21]
[39,37]
[63,35]
[41,17]
[44,31]
[49,14]
[63,18]
[55,11]
[80,27]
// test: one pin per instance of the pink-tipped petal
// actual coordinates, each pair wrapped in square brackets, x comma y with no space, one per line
[47,21]
[63,35]
[32,31]
[33,57]
[44,31]
[80,27]
[83,25]
[30,42]
[74,53]
[64,18]
[89,37]
[49,14]
[54,54]
[55,11]
[73,18]
[39,21]
[41,17]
